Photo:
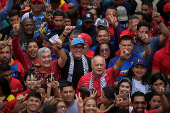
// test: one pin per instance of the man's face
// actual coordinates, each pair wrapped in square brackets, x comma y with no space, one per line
[155,102]
[46,44]
[37,6]
[67,22]
[77,51]
[118,2]
[28,27]
[7,75]
[54,5]
[103,36]
[45,60]
[32,49]
[42,93]
[109,12]
[58,21]
[68,94]
[98,66]
[88,25]
[33,104]
[5,55]
[133,25]
[85,3]
[146,10]
[72,36]
[14,19]
[142,32]
[139,104]
[127,45]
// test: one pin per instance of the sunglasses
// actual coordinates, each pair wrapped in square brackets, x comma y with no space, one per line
[137,103]
[61,107]
[106,50]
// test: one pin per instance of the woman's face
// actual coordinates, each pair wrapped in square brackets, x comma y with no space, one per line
[61,107]
[155,102]
[104,100]
[94,13]
[157,84]
[139,71]
[42,93]
[67,22]
[105,51]
[124,88]
[90,106]
[30,81]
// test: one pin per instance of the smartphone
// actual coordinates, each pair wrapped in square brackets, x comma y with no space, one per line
[49,77]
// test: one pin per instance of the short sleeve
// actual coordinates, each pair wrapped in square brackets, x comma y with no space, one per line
[156,63]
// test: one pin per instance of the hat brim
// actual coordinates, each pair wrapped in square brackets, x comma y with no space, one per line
[139,63]
[102,25]
[77,43]
[88,20]
[123,18]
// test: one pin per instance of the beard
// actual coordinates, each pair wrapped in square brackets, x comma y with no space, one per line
[139,111]
[139,39]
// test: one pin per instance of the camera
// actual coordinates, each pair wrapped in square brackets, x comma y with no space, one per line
[85,91]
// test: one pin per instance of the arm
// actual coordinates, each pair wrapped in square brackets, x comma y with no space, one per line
[55,85]
[164,30]
[49,86]
[79,103]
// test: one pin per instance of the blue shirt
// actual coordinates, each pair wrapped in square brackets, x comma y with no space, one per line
[127,64]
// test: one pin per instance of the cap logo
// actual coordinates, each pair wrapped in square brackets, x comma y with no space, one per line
[88,15]
[102,21]
[79,39]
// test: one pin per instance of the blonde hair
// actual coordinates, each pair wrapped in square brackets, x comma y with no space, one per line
[88,98]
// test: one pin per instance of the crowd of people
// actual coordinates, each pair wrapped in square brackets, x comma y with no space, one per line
[84,56]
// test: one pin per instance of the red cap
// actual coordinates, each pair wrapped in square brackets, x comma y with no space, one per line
[37,0]
[86,38]
[167,7]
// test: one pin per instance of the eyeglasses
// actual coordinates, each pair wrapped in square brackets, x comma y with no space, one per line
[92,7]
[137,103]
[106,50]
[76,47]
[61,107]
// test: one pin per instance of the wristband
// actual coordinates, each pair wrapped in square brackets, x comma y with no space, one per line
[64,35]
[59,47]
[121,58]
[147,43]
[159,22]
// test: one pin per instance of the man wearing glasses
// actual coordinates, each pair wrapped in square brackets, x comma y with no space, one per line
[139,103]
[77,64]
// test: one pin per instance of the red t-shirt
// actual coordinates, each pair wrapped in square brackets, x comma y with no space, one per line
[90,54]
[161,60]
[15,86]
[148,111]
[110,77]
[65,7]
[127,32]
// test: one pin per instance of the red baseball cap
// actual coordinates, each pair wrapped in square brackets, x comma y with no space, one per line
[167,7]
[37,0]
[86,38]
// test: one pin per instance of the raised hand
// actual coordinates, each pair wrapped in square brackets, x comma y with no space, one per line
[16,27]
[27,3]
[94,93]
[156,16]
[55,84]
[160,91]
[21,98]
[48,17]
[68,29]
[48,7]
[113,20]
[4,42]
[79,100]
[71,5]
[57,43]
[118,100]
[123,53]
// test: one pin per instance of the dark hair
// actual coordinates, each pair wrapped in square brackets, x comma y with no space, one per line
[140,13]
[109,92]
[125,79]
[112,53]
[58,13]
[92,6]
[136,94]
[148,3]
[77,32]
[133,17]
[25,78]
[13,13]
[73,13]
[122,110]
[102,29]
[145,78]
[149,96]
[66,84]
[67,15]
[158,76]
[28,18]
[125,37]
[4,67]
[5,86]
[112,7]
[34,94]
[31,41]
[143,23]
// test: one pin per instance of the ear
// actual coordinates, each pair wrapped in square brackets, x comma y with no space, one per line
[91,66]
[131,104]
[119,45]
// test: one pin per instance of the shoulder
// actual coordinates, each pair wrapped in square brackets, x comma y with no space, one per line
[115,59]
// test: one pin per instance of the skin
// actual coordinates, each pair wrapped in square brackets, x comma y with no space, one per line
[139,108]
[10,44]
[47,44]
[13,19]
[96,2]
[90,106]
[30,81]
[142,30]
[85,3]
[104,100]
[67,22]
[58,21]
[103,36]
[77,54]
[72,36]
[88,25]
[134,26]
[98,66]
[146,10]
[105,54]
[33,104]
[139,16]
[139,71]
[124,104]
[124,88]
[7,75]
[68,95]
[94,13]
[42,93]
[45,60]
[61,110]
[127,45]
[32,50]
[37,7]
[157,84]
[28,27]
[109,12]
[5,55]
[155,102]
[118,2]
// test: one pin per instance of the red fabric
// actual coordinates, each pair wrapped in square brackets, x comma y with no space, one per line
[148,111]
[110,78]
[90,54]
[3,4]
[127,32]
[167,7]
[83,11]
[117,53]
[15,86]
[65,7]
[161,61]
[20,55]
